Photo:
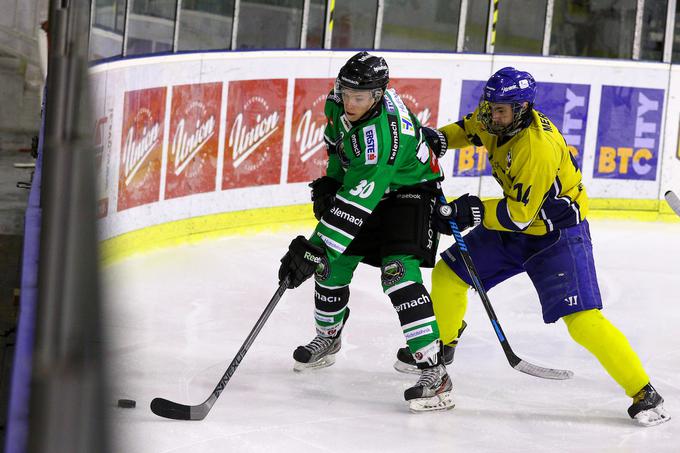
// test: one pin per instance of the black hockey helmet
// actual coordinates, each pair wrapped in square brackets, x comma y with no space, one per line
[363,72]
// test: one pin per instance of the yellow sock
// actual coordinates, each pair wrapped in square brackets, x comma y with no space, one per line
[594,332]
[449,300]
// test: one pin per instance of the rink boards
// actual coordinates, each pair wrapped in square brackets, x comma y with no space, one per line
[187,143]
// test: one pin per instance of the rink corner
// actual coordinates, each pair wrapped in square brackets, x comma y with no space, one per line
[200,228]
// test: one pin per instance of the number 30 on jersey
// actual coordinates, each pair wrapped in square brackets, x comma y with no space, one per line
[363,189]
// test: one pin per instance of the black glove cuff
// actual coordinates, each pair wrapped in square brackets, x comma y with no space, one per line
[323,186]
[443,144]
[436,140]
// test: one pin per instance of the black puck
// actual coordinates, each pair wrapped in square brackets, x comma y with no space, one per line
[128,404]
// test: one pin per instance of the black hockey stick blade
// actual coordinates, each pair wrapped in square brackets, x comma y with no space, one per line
[673,201]
[176,411]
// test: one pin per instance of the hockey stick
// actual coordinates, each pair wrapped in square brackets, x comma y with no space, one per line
[673,201]
[515,362]
[169,409]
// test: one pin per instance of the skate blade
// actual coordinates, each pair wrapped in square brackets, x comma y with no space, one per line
[406,368]
[321,363]
[441,402]
[653,417]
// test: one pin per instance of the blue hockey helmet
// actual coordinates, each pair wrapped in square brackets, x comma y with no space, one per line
[508,86]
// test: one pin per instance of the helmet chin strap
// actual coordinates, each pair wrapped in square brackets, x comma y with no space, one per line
[520,120]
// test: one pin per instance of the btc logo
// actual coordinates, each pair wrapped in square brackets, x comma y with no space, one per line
[622,159]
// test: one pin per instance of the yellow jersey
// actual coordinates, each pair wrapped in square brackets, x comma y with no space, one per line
[541,181]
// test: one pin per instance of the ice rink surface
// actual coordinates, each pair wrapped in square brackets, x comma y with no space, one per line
[176,318]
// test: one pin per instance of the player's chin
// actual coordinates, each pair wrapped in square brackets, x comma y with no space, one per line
[351,116]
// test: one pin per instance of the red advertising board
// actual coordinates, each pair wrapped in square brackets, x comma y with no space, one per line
[256,110]
[308,157]
[421,96]
[194,134]
[139,176]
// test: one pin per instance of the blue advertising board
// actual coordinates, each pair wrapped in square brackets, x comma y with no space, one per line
[628,133]
[566,104]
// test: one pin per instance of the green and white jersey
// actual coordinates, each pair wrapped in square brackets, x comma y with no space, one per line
[380,155]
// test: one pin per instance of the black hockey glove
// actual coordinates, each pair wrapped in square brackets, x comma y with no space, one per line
[323,194]
[467,211]
[436,140]
[300,262]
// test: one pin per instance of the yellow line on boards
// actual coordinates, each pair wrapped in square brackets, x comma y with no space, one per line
[297,217]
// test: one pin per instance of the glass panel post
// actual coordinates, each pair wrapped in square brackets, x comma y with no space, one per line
[670,26]
[305,22]
[234,26]
[462,20]
[175,32]
[379,24]
[654,19]
[548,27]
[491,26]
[328,28]
[126,26]
[637,35]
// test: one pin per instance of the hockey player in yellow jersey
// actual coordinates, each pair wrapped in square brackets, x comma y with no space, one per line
[539,227]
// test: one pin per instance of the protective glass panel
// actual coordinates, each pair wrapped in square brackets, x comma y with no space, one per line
[269,24]
[420,25]
[593,28]
[151,26]
[653,30]
[205,24]
[676,35]
[354,24]
[520,26]
[106,37]
[475,26]
[315,24]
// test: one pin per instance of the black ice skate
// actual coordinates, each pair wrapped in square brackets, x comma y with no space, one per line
[406,363]
[320,352]
[647,407]
[432,392]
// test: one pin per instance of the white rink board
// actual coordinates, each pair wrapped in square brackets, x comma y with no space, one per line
[112,80]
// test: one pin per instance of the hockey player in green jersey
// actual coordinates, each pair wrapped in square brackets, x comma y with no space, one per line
[374,205]
[539,227]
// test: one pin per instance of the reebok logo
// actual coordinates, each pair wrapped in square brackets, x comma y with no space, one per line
[415,196]
[313,258]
